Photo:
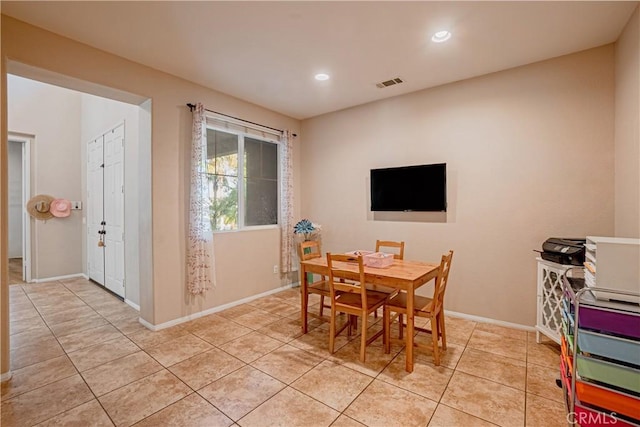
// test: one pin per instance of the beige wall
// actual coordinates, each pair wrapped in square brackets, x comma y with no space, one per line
[165,298]
[52,116]
[529,153]
[627,130]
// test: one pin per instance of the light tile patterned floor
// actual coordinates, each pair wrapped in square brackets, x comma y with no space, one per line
[80,357]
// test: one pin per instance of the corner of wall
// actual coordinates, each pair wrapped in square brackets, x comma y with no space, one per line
[627,129]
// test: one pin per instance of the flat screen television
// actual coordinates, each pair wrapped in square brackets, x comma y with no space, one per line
[420,188]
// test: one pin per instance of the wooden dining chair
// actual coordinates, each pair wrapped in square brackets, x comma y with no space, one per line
[398,253]
[349,295]
[433,308]
[398,248]
[306,251]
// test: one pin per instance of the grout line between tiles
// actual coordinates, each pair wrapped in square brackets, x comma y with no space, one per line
[277,317]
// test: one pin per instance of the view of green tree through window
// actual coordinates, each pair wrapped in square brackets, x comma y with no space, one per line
[243,180]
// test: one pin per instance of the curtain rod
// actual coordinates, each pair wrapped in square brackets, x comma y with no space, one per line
[192,106]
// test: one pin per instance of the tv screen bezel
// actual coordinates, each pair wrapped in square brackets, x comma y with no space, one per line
[441,207]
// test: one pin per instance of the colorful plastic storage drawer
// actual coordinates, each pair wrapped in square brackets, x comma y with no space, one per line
[567,323]
[587,417]
[566,367]
[569,339]
[609,373]
[610,347]
[566,377]
[566,353]
[614,322]
[567,305]
[620,403]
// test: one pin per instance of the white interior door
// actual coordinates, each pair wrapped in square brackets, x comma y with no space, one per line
[114,210]
[95,209]
[105,200]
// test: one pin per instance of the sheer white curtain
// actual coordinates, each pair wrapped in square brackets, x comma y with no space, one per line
[200,262]
[286,203]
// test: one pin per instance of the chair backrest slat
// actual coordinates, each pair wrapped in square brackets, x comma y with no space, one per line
[338,274]
[312,252]
[391,244]
[442,280]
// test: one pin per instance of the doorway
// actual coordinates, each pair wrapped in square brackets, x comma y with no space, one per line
[19,233]
[60,248]
[105,210]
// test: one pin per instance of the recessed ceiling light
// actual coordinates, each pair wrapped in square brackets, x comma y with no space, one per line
[441,36]
[322,76]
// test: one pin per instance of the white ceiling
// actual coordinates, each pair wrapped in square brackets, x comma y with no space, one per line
[268,52]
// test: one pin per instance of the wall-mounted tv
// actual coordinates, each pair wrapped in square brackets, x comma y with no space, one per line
[420,188]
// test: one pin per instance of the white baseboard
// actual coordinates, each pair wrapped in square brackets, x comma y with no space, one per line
[6,376]
[132,304]
[147,324]
[53,279]
[489,320]
[211,310]
[219,308]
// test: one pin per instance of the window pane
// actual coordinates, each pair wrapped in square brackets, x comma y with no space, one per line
[261,159]
[270,161]
[224,202]
[252,159]
[261,201]
[222,153]
[261,182]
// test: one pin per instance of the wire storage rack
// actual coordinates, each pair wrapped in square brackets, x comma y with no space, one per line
[600,356]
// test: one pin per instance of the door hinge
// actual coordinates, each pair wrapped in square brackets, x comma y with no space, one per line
[122,188]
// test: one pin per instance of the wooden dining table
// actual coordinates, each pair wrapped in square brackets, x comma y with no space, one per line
[403,275]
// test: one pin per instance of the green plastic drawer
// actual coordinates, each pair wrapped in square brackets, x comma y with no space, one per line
[609,373]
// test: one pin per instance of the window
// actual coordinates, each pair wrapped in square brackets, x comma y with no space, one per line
[242,169]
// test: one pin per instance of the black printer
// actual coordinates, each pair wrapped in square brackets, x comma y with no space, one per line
[564,250]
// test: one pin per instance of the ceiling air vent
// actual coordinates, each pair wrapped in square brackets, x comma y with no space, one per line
[391,82]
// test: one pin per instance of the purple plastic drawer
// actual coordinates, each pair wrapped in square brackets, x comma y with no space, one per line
[613,322]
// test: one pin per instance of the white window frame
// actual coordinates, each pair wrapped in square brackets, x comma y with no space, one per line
[235,127]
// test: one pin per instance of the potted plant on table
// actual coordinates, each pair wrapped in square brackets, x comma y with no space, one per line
[309,231]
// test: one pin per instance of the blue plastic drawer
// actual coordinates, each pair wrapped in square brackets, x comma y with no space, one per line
[567,323]
[615,348]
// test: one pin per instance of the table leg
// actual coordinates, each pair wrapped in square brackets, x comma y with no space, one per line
[410,330]
[304,296]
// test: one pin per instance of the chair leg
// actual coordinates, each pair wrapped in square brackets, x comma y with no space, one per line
[443,332]
[321,305]
[387,329]
[350,323]
[332,330]
[434,339]
[400,325]
[363,338]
